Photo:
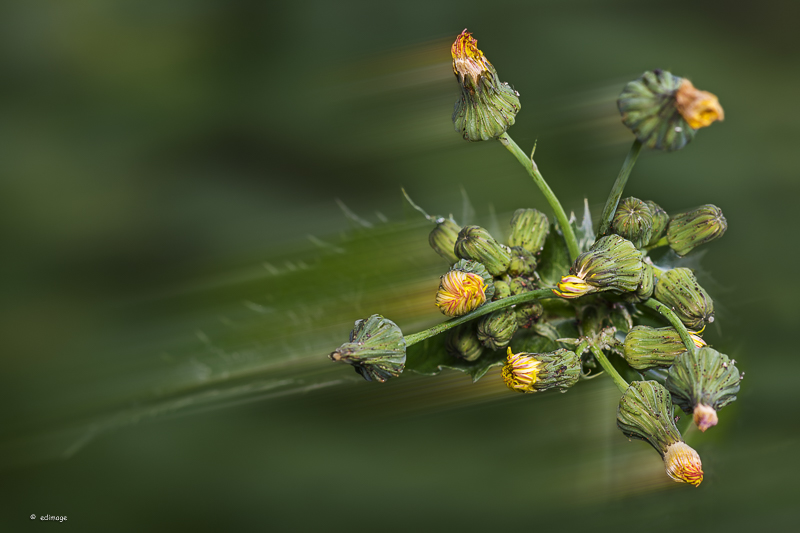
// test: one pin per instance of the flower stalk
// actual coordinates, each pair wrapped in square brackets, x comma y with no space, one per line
[619,186]
[538,179]
[673,319]
[539,294]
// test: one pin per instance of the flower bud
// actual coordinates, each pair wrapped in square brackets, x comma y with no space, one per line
[501,290]
[702,383]
[688,230]
[377,349]
[647,347]
[487,106]
[522,262]
[660,221]
[463,342]
[529,229]
[645,412]
[443,239]
[528,313]
[496,329]
[646,287]
[633,221]
[663,110]
[679,290]
[464,288]
[476,243]
[520,286]
[536,372]
[611,264]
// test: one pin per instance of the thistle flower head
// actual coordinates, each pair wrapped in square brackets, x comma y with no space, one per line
[460,292]
[698,108]
[612,263]
[536,372]
[487,106]
[520,371]
[683,464]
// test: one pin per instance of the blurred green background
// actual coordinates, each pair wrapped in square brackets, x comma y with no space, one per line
[176,266]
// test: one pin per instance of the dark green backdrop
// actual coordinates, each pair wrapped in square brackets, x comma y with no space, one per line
[166,315]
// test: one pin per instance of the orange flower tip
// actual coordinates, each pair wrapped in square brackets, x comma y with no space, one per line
[705,416]
[698,108]
[460,292]
[467,58]
[572,287]
[683,464]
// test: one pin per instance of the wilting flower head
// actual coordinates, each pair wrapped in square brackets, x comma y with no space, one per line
[683,464]
[645,412]
[377,349]
[611,264]
[647,347]
[464,288]
[686,231]
[679,290]
[664,111]
[536,372]
[487,106]
[702,383]
[698,108]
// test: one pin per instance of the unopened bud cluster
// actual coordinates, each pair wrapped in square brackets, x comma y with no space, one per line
[594,294]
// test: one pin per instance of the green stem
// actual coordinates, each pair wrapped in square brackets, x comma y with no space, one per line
[619,186]
[621,384]
[538,179]
[667,313]
[663,241]
[539,294]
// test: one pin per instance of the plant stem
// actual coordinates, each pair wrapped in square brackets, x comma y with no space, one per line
[667,313]
[621,384]
[619,186]
[663,241]
[538,179]
[539,294]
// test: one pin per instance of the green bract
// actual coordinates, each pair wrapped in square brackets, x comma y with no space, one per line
[647,347]
[463,342]
[645,412]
